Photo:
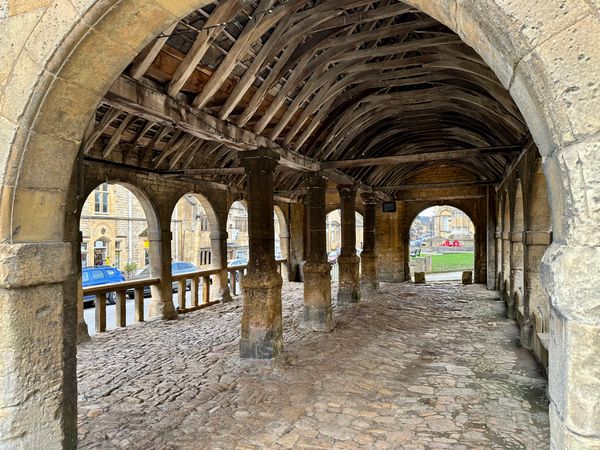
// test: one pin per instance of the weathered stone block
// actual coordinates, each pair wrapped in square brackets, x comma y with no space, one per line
[317,313]
[419,277]
[467,277]
[349,284]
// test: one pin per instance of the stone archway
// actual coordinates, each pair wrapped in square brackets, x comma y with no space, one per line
[475,214]
[546,71]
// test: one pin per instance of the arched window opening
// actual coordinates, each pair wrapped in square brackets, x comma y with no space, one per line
[442,243]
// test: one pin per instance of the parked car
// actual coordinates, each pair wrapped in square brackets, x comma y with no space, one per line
[94,276]
[236,263]
[177,267]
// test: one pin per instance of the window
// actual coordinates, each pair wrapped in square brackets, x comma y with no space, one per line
[101,199]
[85,277]
[111,273]
[97,274]
[446,223]
[117,253]
[146,257]
[205,257]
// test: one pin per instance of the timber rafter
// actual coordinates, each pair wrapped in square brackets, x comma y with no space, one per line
[358,88]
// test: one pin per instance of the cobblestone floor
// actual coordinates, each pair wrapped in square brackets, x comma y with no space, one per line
[414,367]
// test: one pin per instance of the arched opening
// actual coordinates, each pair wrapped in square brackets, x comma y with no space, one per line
[77,84]
[114,223]
[333,231]
[442,244]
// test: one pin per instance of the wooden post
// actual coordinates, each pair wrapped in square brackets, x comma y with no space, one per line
[120,313]
[205,290]
[181,293]
[195,286]
[139,304]
[100,306]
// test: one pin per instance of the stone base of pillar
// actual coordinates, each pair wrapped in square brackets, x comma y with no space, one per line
[82,332]
[527,336]
[317,314]
[262,329]
[161,310]
[221,289]
[349,285]
[562,438]
[368,275]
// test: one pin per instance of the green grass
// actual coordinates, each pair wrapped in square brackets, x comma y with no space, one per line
[452,262]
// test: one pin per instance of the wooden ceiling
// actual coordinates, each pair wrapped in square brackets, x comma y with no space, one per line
[322,83]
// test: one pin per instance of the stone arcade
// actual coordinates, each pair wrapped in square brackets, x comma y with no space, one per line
[489,106]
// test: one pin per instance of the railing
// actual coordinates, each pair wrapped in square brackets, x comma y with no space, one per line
[237,273]
[120,289]
[198,279]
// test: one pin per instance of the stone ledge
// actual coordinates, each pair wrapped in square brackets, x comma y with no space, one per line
[34,264]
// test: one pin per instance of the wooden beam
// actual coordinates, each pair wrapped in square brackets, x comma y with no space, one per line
[145,59]
[421,157]
[443,198]
[446,185]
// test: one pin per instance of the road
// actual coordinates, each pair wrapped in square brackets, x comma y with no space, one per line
[89,313]
[445,276]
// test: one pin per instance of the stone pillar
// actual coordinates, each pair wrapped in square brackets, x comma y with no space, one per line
[349,287]
[506,290]
[218,242]
[317,313]
[82,328]
[574,366]
[516,275]
[262,331]
[161,305]
[491,238]
[38,323]
[389,244]
[499,262]
[368,257]
[296,240]
[534,297]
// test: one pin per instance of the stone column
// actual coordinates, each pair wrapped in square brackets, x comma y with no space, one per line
[506,290]
[317,314]
[218,242]
[296,240]
[499,262]
[262,331]
[536,244]
[368,257]
[38,323]
[389,244]
[516,275]
[161,305]
[82,328]
[491,238]
[349,287]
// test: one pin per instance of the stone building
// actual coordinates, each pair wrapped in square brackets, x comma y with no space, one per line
[451,224]
[114,228]
[298,108]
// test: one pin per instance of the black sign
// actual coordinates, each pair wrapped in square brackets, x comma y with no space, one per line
[389,207]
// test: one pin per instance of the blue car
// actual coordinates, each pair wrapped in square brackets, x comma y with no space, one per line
[94,276]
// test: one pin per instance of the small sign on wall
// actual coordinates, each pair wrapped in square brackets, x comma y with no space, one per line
[389,207]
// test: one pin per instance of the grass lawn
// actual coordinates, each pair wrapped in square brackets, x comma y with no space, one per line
[451,262]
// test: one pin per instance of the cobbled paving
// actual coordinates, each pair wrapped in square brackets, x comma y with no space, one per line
[412,367]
